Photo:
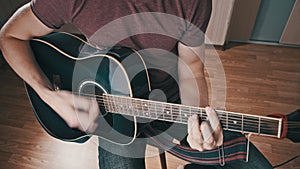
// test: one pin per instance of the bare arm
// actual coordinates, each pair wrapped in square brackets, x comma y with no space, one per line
[14,43]
[193,91]
[193,88]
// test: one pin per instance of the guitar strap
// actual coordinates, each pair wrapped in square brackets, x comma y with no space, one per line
[233,149]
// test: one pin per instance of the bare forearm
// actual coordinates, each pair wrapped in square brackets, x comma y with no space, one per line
[19,56]
[195,97]
[192,83]
[14,43]
[193,89]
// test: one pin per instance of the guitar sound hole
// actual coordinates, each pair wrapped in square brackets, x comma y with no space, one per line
[93,90]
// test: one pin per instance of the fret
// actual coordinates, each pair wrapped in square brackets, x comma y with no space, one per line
[250,123]
[269,126]
[242,127]
[222,117]
[180,114]
[227,120]
[107,107]
[134,107]
[140,112]
[171,113]
[122,105]
[201,114]
[114,100]
[176,116]
[145,109]
[152,110]
[234,122]
[198,111]
[259,121]
[111,104]
[127,106]
[167,113]
[186,113]
[160,109]
[116,104]
[155,115]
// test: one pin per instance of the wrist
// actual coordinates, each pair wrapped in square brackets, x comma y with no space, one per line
[44,90]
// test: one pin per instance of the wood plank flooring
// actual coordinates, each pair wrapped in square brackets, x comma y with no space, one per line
[260,80]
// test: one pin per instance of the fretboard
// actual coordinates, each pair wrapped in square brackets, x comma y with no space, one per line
[178,113]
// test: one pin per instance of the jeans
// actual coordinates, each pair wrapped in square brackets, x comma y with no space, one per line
[109,160]
[113,156]
[256,161]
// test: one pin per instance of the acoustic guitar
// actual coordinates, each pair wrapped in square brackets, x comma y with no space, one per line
[118,78]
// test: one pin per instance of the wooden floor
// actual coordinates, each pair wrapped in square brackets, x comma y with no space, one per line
[260,80]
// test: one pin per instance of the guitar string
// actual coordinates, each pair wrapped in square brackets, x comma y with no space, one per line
[171,118]
[247,124]
[291,123]
[177,113]
[266,129]
[101,100]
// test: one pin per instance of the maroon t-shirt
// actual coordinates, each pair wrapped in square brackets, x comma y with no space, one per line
[152,26]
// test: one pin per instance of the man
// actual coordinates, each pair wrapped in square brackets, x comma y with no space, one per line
[41,17]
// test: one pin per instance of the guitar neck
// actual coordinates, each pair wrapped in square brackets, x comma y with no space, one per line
[156,110]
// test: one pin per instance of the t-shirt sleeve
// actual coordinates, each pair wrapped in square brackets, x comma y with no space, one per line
[53,13]
[198,21]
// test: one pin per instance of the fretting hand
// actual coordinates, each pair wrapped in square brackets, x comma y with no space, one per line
[207,135]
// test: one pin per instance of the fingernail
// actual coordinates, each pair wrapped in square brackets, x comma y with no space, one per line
[208,109]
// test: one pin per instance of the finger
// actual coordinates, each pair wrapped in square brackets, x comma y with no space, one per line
[195,143]
[76,101]
[194,134]
[192,122]
[81,103]
[215,125]
[208,138]
[83,119]
[193,127]
[94,110]
[89,115]
[219,138]
[82,107]
[70,116]
[213,118]
[93,116]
